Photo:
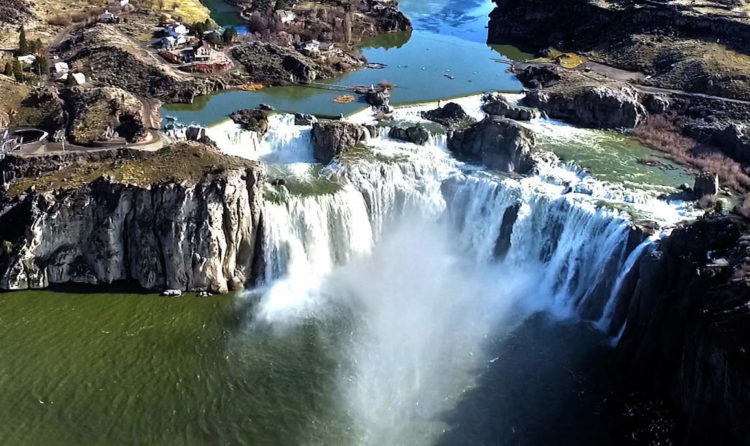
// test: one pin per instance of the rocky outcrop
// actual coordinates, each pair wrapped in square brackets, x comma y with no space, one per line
[687,335]
[706,184]
[110,58]
[274,64]
[582,99]
[330,139]
[304,119]
[197,236]
[416,134]
[251,119]
[14,12]
[97,114]
[498,106]
[496,142]
[386,15]
[451,114]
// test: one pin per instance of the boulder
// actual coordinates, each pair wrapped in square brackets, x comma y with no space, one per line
[706,184]
[304,119]
[416,134]
[448,115]
[330,139]
[498,106]
[254,120]
[496,142]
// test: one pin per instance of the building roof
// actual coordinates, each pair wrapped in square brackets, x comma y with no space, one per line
[27,59]
[79,78]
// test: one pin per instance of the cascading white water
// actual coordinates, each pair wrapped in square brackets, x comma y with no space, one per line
[408,248]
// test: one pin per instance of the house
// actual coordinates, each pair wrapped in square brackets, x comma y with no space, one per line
[202,52]
[170,42]
[27,60]
[79,78]
[311,47]
[60,69]
[107,17]
[176,30]
[285,16]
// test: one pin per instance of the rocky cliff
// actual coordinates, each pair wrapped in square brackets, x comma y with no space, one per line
[194,234]
[686,309]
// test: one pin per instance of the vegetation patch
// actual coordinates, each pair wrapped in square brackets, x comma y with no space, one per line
[142,168]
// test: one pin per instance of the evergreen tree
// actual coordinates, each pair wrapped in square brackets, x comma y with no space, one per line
[23,44]
[41,66]
[229,35]
[18,71]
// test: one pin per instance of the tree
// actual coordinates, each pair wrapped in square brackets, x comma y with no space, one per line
[18,70]
[23,45]
[229,35]
[8,69]
[41,66]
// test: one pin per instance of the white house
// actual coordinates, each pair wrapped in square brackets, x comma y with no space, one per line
[311,47]
[27,59]
[176,30]
[60,69]
[202,52]
[285,16]
[169,42]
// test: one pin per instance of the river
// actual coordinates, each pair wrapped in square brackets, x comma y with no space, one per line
[387,313]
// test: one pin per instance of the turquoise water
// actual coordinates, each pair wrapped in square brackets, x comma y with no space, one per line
[448,39]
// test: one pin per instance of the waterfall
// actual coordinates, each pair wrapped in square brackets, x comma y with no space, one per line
[427,257]
[283,143]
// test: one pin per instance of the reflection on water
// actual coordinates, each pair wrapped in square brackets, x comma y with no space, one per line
[445,56]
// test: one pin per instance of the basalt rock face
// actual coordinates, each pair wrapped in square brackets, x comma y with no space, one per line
[498,106]
[330,139]
[451,114]
[584,24]
[274,64]
[97,113]
[687,336]
[200,236]
[253,120]
[580,99]
[496,142]
[415,134]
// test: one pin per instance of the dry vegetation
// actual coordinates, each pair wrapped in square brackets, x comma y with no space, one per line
[690,65]
[659,132]
[195,161]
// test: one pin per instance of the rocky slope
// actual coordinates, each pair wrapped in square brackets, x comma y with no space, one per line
[273,64]
[687,334]
[197,232]
[103,52]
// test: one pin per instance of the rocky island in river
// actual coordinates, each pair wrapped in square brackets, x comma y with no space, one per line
[563,258]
